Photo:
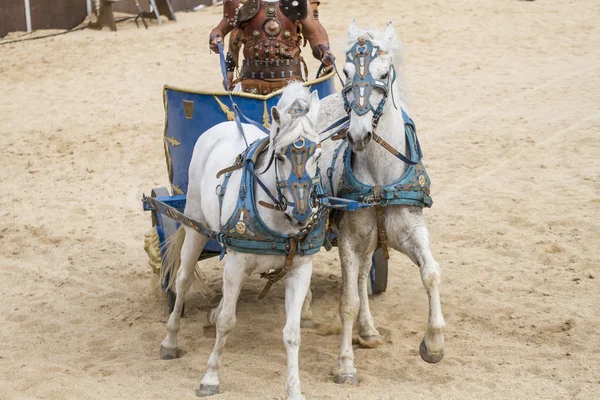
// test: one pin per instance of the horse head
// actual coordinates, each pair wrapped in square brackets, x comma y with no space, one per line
[295,147]
[370,76]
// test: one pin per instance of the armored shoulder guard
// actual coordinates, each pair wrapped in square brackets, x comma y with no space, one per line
[249,10]
[231,9]
[296,10]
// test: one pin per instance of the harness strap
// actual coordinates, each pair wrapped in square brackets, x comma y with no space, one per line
[274,207]
[178,216]
[381,233]
[280,273]
[332,58]
[341,135]
[340,124]
[379,140]
[331,169]
[239,163]
[236,109]
[266,190]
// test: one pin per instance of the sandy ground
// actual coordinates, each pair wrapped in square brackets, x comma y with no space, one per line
[505,96]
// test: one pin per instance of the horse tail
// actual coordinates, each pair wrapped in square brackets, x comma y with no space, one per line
[172,259]
[172,262]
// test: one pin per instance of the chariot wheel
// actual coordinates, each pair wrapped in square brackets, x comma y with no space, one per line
[379,273]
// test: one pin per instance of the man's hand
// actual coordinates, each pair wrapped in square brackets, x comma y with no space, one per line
[214,42]
[323,53]
[328,59]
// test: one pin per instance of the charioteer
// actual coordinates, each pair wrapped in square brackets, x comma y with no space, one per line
[272,33]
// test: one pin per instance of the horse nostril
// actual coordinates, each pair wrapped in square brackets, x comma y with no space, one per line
[369,135]
[350,139]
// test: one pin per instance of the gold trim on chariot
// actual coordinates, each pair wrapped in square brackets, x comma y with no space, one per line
[172,141]
[177,189]
[230,114]
[248,95]
[167,150]
[266,118]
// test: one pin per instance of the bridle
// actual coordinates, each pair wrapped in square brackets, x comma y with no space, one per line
[361,55]
[301,186]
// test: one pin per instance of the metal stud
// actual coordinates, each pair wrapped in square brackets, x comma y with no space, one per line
[255,34]
[287,34]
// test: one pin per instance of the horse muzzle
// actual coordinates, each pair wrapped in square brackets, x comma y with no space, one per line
[359,144]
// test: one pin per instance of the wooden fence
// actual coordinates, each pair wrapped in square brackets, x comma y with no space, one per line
[64,14]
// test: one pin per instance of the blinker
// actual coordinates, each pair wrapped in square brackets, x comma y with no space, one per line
[300,184]
[361,55]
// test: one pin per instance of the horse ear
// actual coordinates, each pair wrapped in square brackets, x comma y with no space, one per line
[314,107]
[276,115]
[353,31]
[390,33]
[280,118]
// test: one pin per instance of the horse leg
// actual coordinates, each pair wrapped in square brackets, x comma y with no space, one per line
[306,320]
[296,287]
[349,305]
[214,313]
[233,279]
[369,335]
[417,248]
[193,244]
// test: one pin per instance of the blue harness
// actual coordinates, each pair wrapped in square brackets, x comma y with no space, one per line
[413,188]
[245,230]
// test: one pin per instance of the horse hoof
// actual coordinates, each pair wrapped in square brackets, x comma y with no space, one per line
[430,357]
[307,324]
[167,354]
[346,379]
[370,342]
[208,390]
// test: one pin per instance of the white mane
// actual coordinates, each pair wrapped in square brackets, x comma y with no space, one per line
[295,104]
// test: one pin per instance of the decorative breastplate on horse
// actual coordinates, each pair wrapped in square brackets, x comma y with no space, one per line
[413,188]
[245,230]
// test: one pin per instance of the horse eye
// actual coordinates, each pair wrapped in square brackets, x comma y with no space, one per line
[346,73]
[280,157]
[385,76]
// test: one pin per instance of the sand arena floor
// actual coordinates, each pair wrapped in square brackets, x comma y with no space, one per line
[505,96]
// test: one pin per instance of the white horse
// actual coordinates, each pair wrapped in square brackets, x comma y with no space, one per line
[294,121]
[358,233]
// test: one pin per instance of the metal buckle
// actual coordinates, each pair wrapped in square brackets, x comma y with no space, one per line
[303,143]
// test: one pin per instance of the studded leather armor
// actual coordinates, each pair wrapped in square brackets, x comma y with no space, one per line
[272,34]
